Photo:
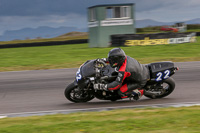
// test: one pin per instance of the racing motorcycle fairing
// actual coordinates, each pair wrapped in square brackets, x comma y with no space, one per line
[161,70]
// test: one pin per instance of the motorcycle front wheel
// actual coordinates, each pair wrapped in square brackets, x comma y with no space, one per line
[76,95]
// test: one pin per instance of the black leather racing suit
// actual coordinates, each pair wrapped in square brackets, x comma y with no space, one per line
[131,75]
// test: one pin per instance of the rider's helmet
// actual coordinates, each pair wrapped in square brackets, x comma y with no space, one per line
[116,57]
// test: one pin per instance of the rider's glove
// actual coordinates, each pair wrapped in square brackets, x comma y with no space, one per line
[100,86]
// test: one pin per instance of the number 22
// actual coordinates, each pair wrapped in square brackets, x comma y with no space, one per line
[160,74]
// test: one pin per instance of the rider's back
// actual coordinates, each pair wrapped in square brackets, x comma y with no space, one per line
[139,72]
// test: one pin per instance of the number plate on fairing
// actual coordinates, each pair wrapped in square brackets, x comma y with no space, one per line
[78,75]
[161,70]
[163,75]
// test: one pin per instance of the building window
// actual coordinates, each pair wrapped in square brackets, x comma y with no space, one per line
[118,12]
[92,14]
[125,12]
[109,12]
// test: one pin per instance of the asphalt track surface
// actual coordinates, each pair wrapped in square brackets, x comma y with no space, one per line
[43,90]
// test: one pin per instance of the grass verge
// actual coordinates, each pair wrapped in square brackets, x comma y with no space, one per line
[149,120]
[68,56]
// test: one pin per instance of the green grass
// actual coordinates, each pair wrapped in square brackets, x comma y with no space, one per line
[69,56]
[65,38]
[149,120]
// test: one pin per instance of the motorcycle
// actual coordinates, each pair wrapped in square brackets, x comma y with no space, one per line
[160,84]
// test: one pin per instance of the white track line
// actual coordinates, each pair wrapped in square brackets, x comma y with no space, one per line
[2,117]
[50,112]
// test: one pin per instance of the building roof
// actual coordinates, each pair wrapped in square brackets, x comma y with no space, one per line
[107,5]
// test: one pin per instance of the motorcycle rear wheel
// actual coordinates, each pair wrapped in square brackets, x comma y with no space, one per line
[170,88]
[74,94]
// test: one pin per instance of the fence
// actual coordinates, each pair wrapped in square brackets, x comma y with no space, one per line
[152,39]
[44,43]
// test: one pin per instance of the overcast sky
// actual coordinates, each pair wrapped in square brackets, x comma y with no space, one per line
[17,14]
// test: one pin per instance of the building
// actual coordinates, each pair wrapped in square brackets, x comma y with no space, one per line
[106,20]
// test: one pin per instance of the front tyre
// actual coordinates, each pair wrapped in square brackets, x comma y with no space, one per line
[74,94]
[166,90]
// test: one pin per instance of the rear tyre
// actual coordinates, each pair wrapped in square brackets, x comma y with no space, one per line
[74,94]
[168,89]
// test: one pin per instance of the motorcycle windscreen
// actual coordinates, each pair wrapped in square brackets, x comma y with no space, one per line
[88,69]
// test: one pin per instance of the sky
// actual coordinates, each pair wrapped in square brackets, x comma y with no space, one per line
[18,14]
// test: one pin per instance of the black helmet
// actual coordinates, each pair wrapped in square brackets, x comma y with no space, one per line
[116,57]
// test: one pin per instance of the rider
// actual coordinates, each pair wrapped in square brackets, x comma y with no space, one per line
[131,75]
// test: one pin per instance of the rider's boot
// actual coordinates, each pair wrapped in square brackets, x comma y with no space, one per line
[137,94]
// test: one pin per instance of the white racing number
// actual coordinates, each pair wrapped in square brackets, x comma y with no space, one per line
[167,73]
[159,76]
[78,75]
[163,75]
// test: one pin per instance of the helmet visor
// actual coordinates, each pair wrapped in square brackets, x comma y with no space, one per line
[115,60]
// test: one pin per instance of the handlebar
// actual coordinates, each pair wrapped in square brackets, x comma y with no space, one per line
[107,77]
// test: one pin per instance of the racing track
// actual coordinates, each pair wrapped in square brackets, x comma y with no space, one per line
[42,90]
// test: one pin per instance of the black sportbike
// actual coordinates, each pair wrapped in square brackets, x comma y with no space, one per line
[159,85]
